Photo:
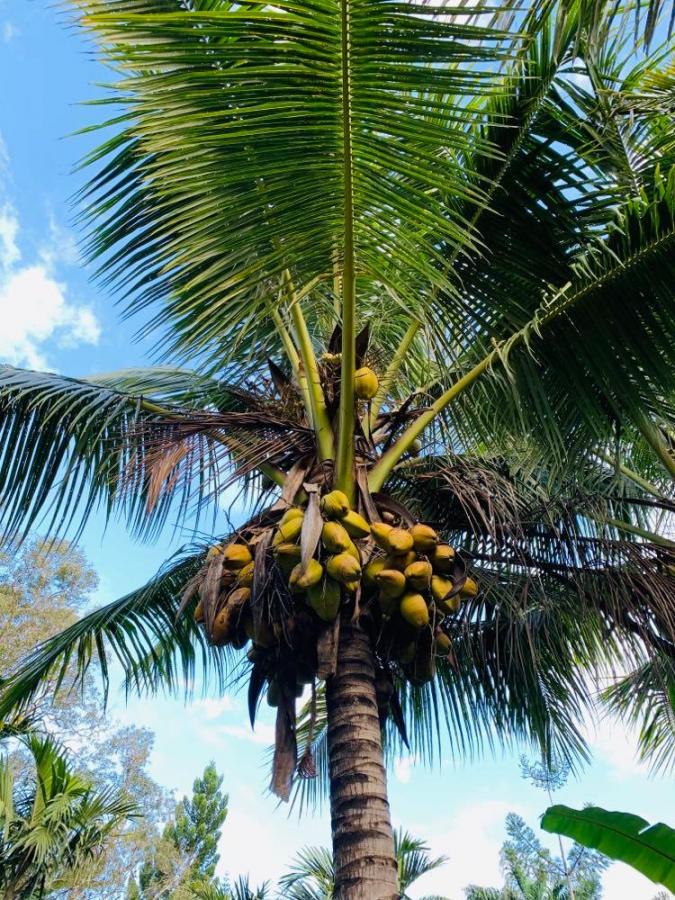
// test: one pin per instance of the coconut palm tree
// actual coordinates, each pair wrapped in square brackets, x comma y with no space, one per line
[410,267]
[312,875]
[53,823]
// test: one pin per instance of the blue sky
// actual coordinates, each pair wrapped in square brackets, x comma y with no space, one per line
[53,317]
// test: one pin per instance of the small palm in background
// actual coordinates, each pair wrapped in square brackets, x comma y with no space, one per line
[52,822]
[312,876]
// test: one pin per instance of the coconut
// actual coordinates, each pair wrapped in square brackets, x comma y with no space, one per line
[371,570]
[442,644]
[380,532]
[293,513]
[353,550]
[300,579]
[356,525]
[245,575]
[414,609]
[343,568]
[391,583]
[469,588]
[291,551]
[335,538]
[401,562]
[287,533]
[443,559]
[400,541]
[236,556]
[418,575]
[424,538]
[325,598]
[334,505]
[365,383]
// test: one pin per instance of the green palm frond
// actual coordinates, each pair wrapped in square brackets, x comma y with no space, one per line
[140,632]
[54,823]
[134,443]
[301,151]
[645,698]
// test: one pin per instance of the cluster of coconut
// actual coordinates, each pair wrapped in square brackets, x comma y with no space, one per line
[336,567]
[233,622]
[406,577]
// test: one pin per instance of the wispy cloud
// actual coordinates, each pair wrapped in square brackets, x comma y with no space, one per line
[35,309]
[8,31]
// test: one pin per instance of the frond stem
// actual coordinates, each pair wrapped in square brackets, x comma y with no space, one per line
[345,450]
[294,359]
[651,434]
[319,413]
[392,369]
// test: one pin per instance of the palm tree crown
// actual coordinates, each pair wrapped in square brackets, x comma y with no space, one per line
[418,260]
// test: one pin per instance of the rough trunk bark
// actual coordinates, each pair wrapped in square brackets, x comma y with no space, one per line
[363,845]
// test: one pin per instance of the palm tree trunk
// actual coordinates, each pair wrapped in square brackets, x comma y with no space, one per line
[363,844]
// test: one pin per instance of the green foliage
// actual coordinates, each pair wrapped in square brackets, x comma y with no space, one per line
[53,822]
[533,873]
[312,876]
[622,836]
[43,588]
[182,863]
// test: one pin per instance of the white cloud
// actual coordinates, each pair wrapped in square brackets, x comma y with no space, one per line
[212,708]
[403,768]
[616,745]
[263,734]
[9,31]
[471,840]
[34,310]
[34,307]
[9,229]
[60,248]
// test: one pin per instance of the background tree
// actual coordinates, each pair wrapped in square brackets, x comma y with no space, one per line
[44,588]
[312,875]
[52,822]
[182,863]
[363,225]
[533,873]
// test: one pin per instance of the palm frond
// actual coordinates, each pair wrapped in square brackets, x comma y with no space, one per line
[645,698]
[138,631]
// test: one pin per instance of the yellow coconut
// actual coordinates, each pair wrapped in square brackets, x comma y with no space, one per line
[324,598]
[442,644]
[220,630]
[401,562]
[293,513]
[245,575]
[236,556]
[365,383]
[400,541]
[343,568]
[334,505]
[391,583]
[418,575]
[380,532]
[414,609]
[290,551]
[469,588]
[424,538]
[443,559]
[214,551]
[440,588]
[288,532]
[353,550]
[370,572]
[334,537]
[356,525]
[300,579]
